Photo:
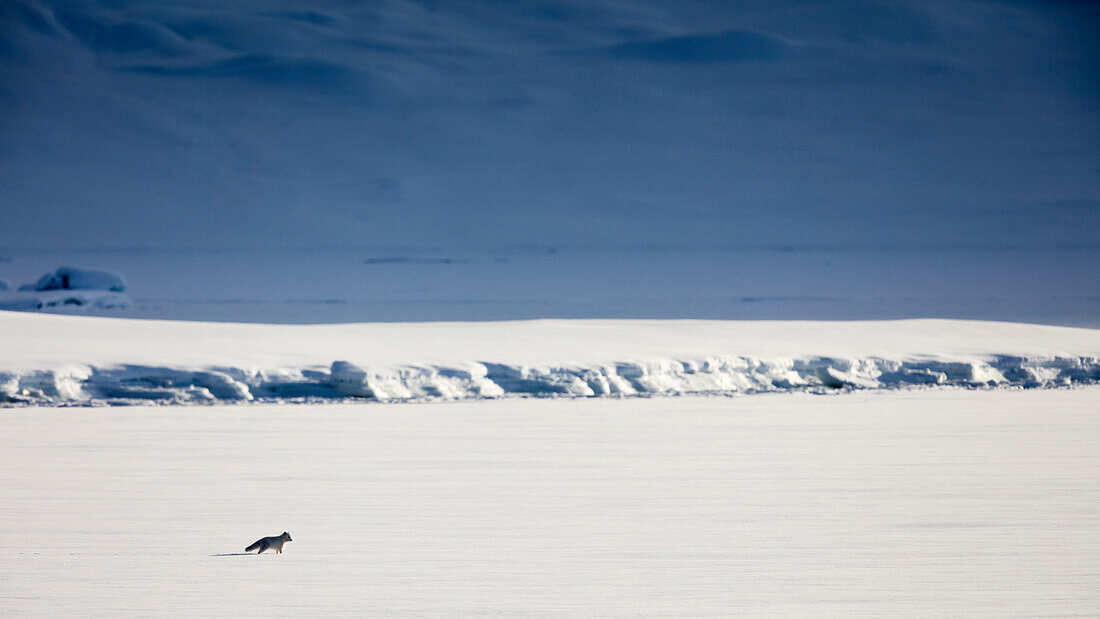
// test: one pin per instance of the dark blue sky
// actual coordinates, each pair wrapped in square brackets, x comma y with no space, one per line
[595,124]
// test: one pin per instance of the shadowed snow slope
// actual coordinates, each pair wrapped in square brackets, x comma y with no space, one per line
[65,359]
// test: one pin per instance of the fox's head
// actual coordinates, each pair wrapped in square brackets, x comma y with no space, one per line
[286,536]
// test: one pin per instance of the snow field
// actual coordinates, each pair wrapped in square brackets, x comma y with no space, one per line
[948,503]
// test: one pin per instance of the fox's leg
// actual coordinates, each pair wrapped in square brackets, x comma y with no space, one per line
[279,551]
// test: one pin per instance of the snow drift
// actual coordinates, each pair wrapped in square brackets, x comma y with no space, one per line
[70,360]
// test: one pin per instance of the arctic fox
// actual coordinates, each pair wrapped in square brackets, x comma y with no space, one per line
[275,541]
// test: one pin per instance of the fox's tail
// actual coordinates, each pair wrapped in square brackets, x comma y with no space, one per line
[252,547]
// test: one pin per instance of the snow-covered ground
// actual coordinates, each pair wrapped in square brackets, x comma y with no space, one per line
[906,494]
[932,503]
[51,359]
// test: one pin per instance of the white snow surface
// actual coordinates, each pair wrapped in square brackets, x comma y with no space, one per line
[946,503]
[49,359]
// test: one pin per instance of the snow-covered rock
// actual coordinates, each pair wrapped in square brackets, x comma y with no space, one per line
[71,278]
[68,290]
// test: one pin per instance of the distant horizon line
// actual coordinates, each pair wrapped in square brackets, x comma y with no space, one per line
[389,252]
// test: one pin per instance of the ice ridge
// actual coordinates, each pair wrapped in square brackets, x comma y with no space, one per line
[342,380]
